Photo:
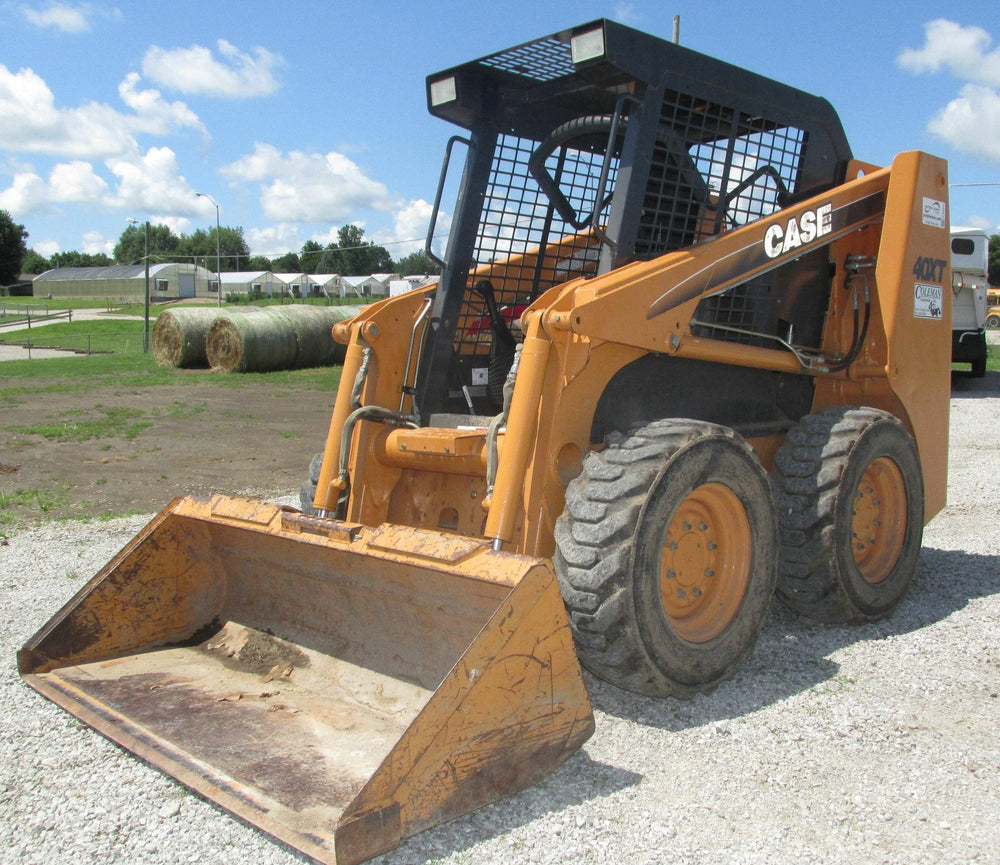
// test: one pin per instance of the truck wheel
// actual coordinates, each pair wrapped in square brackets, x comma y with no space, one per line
[850,507]
[993,321]
[308,491]
[979,364]
[666,555]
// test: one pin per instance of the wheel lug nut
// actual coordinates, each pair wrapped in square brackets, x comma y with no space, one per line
[702,527]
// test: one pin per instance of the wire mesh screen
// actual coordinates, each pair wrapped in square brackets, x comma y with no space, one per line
[713,168]
[716,168]
[542,60]
[524,246]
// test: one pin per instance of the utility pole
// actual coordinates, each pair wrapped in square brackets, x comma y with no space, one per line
[218,233]
[145,258]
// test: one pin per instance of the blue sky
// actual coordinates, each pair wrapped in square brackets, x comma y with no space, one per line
[300,117]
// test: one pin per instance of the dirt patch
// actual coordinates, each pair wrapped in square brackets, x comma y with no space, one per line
[153,444]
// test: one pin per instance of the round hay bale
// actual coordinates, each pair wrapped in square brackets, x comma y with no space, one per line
[251,342]
[312,326]
[180,335]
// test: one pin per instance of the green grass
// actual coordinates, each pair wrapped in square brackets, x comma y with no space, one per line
[42,500]
[36,303]
[122,337]
[80,374]
[118,422]
[992,361]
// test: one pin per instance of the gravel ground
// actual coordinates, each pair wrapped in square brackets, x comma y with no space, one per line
[875,744]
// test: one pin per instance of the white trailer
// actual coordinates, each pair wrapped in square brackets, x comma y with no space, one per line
[970,248]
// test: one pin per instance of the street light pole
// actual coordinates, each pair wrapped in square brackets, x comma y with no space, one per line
[218,231]
[145,258]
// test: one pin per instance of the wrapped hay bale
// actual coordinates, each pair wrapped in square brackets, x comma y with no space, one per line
[180,335]
[312,326]
[251,342]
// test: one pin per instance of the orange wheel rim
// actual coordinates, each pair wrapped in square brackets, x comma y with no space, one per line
[705,563]
[878,524]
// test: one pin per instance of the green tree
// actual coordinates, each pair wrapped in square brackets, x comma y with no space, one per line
[34,263]
[233,250]
[993,274]
[416,262]
[131,246]
[258,262]
[72,258]
[310,256]
[352,255]
[13,248]
[287,263]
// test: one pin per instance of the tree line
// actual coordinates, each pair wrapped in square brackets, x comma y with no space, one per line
[350,255]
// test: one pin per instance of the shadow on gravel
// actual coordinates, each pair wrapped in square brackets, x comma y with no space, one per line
[791,657]
[964,385]
[792,654]
[580,779]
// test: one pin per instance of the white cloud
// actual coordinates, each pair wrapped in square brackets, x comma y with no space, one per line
[76,181]
[46,248]
[31,122]
[409,229]
[983,222]
[94,242]
[149,183]
[68,182]
[234,74]
[61,16]
[970,123]
[27,194]
[274,240]
[152,182]
[308,187]
[961,50]
[153,115]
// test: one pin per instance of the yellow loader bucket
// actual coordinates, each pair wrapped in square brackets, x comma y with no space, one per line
[341,687]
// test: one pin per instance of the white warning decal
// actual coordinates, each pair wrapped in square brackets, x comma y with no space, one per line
[935,213]
[927,301]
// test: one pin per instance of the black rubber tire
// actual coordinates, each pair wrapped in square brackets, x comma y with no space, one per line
[825,571]
[308,491]
[993,321]
[982,353]
[612,562]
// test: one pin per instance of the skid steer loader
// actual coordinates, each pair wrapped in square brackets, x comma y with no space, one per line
[685,352]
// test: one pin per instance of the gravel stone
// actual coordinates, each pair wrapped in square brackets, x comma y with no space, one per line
[832,744]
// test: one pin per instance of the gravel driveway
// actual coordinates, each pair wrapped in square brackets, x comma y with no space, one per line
[876,744]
